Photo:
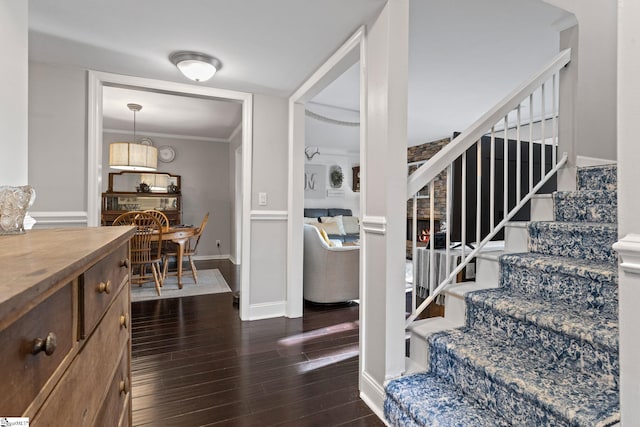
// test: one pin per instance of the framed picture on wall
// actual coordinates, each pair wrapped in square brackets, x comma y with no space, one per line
[315,181]
[356,178]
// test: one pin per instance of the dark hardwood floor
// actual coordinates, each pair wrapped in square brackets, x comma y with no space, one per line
[195,364]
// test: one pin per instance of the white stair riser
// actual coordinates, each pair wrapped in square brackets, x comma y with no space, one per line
[487,270]
[420,333]
[515,239]
[455,309]
[419,351]
[542,208]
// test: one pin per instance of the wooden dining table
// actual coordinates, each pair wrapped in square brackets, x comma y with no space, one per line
[178,235]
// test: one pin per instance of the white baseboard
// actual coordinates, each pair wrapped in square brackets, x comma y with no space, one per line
[373,395]
[584,161]
[210,257]
[267,310]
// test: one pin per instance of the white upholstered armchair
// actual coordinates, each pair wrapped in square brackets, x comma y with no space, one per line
[331,274]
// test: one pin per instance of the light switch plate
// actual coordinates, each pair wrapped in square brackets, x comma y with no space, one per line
[262,199]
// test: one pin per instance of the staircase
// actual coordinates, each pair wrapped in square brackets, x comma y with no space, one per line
[542,348]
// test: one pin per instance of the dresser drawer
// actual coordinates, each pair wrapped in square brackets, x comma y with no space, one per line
[118,395]
[33,347]
[77,398]
[99,285]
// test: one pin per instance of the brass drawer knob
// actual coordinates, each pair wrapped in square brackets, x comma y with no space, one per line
[124,321]
[48,345]
[105,287]
[124,263]
[124,386]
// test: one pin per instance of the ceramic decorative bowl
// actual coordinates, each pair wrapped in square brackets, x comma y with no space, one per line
[14,202]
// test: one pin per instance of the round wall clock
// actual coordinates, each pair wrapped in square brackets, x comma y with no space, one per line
[166,154]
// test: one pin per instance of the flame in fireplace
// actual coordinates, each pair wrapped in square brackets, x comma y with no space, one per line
[424,236]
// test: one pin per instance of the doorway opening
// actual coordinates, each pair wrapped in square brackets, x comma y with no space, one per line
[349,54]
[98,81]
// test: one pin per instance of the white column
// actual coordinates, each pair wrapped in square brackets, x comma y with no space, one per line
[295,241]
[628,207]
[383,183]
[14,82]
[567,102]
[595,110]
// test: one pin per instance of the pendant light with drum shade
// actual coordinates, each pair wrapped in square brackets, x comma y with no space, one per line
[131,156]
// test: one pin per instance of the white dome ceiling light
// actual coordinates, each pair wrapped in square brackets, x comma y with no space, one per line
[198,67]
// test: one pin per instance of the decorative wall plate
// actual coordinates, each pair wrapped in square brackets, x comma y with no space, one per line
[145,141]
[166,153]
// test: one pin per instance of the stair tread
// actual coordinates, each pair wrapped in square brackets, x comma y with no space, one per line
[579,240]
[560,390]
[595,195]
[461,289]
[490,256]
[590,269]
[425,327]
[433,402]
[586,206]
[587,227]
[597,177]
[588,325]
[517,224]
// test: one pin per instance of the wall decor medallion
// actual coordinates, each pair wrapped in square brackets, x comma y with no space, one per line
[166,153]
[336,176]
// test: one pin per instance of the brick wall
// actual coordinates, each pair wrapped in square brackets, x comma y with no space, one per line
[425,152]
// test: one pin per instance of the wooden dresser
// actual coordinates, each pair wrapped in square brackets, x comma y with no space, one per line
[64,326]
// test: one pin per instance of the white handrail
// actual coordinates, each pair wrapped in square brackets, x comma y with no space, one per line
[443,284]
[428,171]
[431,169]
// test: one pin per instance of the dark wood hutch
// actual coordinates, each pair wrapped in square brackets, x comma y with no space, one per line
[138,191]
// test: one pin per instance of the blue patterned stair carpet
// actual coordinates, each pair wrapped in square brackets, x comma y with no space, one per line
[542,349]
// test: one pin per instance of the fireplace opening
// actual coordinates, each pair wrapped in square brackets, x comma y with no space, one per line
[422,229]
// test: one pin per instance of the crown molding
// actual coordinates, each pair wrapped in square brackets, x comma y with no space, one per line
[235,132]
[171,135]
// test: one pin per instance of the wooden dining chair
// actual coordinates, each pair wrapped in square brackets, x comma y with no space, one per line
[164,222]
[143,252]
[161,217]
[189,250]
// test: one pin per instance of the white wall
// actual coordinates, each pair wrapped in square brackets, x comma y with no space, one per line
[348,199]
[204,170]
[267,277]
[14,42]
[57,137]
[270,152]
[595,98]
[269,223]
[628,207]
[339,145]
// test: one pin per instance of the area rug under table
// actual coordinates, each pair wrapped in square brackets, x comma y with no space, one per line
[209,282]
